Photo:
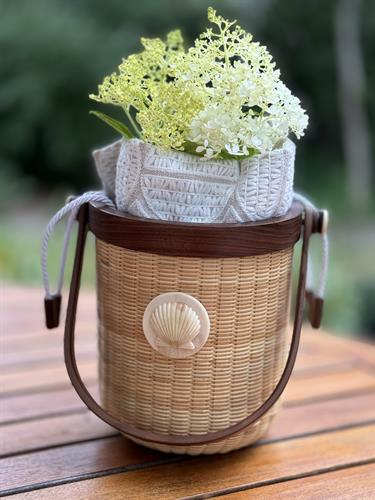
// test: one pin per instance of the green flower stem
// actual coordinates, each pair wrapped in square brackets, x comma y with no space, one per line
[134,125]
[225,47]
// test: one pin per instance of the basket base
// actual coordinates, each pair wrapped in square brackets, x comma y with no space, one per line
[245,438]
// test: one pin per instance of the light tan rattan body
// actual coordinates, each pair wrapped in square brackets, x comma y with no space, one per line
[247,299]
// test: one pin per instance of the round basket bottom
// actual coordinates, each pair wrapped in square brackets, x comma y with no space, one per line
[245,438]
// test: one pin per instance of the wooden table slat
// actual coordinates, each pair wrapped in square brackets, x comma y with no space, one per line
[245,468]
[42,404]
[354,483]
[44,378]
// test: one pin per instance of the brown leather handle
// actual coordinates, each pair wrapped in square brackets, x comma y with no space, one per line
[176,440]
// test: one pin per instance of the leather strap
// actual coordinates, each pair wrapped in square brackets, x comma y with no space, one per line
[177,440]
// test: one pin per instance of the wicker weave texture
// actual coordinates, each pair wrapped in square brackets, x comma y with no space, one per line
[247,300]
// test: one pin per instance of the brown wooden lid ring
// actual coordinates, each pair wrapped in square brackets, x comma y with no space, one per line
[193,239]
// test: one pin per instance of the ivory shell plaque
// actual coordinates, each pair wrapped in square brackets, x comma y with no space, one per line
[176,324]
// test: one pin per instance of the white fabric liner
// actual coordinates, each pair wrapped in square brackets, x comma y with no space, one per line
[149,182]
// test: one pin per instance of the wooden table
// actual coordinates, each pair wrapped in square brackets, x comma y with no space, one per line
[322,444]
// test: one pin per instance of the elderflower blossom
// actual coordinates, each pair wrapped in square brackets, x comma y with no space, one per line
[147,84]
[222,98]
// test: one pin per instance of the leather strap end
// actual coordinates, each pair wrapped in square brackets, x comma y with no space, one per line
[52,306]
[316,305]
[320,222]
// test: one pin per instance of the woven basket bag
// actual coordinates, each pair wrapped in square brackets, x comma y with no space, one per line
[192,325]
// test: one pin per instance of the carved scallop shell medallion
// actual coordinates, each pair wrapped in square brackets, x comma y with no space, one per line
[176,324]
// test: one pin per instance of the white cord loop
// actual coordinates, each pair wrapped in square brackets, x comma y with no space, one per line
[322,279]
[71,209]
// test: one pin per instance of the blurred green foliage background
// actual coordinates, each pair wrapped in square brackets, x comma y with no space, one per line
[55,52]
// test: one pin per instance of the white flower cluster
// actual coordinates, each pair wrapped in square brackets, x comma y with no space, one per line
[222,98]
[247,108]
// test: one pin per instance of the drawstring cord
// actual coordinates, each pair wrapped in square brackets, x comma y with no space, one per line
[53,300]
[322,279]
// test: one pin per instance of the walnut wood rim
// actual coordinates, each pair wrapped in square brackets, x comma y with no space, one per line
[193,239]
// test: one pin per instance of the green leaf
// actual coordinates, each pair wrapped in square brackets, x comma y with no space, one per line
[118,126]
[190,147]
[227,156]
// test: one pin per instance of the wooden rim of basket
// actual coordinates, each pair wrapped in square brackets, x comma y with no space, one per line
[310,223]
[193,239]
